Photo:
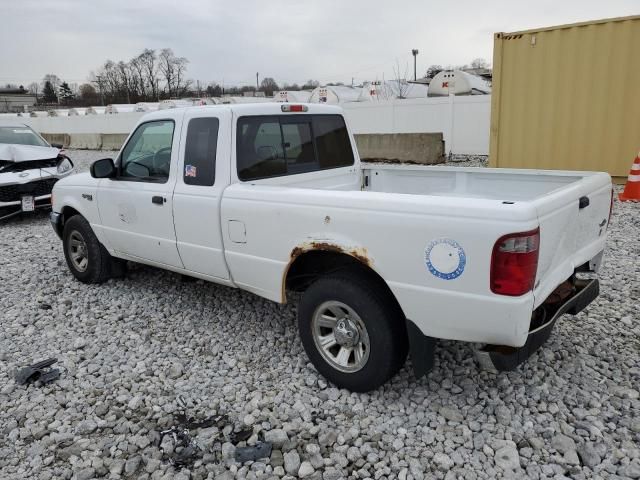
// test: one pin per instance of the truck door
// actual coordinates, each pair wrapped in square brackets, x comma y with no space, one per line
[203,166]
[136,205]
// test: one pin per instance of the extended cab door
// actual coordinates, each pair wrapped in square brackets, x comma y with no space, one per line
[136,206]
[203,167]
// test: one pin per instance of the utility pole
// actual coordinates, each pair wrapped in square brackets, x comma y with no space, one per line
[157,89]
[99,78]
[257,82]
[415,52]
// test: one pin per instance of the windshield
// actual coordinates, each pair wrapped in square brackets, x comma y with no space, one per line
[21,136]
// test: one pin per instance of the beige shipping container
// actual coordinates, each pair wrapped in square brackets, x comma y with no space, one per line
[567,97]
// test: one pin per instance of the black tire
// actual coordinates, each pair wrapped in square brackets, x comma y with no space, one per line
[98,267]
[376,309]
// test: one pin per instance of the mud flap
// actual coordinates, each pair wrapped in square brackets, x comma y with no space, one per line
[422,350]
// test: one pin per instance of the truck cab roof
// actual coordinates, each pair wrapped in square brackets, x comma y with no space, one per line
[246,109]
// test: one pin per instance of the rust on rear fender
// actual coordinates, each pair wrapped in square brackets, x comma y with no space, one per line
[359,253]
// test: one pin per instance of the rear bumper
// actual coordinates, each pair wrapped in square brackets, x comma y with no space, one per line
[500,358]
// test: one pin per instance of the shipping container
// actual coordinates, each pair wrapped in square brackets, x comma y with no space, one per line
[567,97]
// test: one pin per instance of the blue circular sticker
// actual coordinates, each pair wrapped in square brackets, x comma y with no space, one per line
[445,258]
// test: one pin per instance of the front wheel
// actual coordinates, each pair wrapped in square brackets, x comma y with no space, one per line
[352,330]
[87,259]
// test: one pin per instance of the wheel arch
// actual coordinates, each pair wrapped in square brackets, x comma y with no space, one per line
[310,262]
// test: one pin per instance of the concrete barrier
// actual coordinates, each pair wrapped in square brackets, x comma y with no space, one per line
[422,148]
[88,141]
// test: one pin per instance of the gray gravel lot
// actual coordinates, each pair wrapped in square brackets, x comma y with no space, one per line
[135,351]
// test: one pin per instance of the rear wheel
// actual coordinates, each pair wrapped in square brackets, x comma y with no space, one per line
[87,259]
[352,330]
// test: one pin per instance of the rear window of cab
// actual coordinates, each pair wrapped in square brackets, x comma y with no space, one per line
[278,145]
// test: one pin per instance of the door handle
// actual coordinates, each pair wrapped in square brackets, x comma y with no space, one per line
[157,199]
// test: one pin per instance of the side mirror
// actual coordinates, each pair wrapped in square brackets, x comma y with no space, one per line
[57,145]
[103,168]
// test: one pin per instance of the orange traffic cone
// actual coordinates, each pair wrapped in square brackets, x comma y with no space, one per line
[631,191]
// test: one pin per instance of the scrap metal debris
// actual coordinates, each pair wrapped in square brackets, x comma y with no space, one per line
[246,454]
[38,372]
[241,436]
[182,449]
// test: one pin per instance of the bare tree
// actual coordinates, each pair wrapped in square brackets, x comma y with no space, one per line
[479,63]
[88,94]
[138,78]
[34,88]
[125,79]
[311,84]
[148,61]
[173,70]
[433,70]
[401,79]
[54,80]
[268,86]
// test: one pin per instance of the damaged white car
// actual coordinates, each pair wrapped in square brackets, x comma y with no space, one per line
[29,167]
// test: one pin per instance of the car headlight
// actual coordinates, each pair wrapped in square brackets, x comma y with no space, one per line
[65,166]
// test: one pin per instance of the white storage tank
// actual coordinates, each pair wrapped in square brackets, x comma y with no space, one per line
[293,96]
[335,94]
[165,104]
[146,107]
[120,108]
[59,113]
[457,82]
[392,89]
[95,111]
[234,100]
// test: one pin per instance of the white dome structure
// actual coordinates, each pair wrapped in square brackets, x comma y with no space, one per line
[335,94]
[165,104]
[61,112]
[146,107]
[457,82]
[392,89]
[294,96]
[95,111]
[120,108]
[237,100]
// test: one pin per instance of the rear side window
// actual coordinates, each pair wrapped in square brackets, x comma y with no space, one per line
[277,145]
[332,141]
[200,152]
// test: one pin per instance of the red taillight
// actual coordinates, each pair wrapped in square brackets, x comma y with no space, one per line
[286,107]
[514,263]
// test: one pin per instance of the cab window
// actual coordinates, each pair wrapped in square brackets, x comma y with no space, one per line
[147,155]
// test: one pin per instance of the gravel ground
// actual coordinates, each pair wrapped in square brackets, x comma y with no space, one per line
[136,352]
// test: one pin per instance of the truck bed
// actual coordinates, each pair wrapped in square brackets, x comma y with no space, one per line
[393,212]
[471,182]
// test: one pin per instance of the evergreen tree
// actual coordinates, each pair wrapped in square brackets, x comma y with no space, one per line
[49,93]
[65,92]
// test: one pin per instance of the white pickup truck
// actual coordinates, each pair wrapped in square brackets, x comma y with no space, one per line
[272,198]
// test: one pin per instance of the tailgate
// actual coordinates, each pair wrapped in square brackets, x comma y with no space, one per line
[573,225]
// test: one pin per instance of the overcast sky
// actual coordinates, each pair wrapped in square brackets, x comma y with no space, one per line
[290,40]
